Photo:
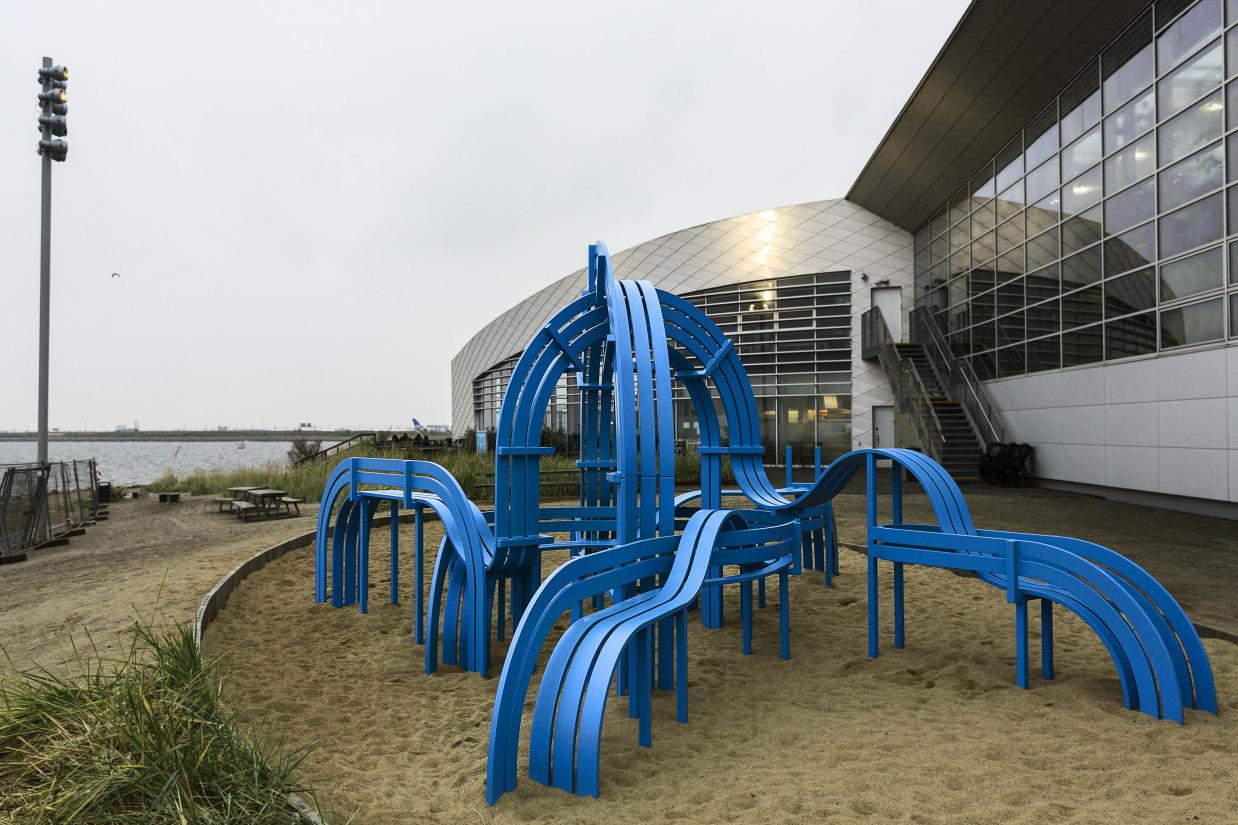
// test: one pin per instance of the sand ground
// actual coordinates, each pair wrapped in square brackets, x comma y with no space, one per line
[934,733]
[149,560]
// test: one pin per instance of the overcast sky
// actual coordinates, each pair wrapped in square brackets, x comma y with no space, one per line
[313,206]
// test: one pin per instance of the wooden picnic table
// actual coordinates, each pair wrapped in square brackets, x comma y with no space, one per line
[239,492]
[265,498]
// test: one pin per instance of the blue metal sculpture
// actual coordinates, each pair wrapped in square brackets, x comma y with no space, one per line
[641,558]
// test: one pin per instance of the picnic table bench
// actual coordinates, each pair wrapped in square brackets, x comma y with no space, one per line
[258,501]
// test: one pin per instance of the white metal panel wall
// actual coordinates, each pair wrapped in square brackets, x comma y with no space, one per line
[1166,424]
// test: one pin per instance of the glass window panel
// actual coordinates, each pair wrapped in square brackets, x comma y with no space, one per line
[1130,293]
[981,280]
[1231,105]
[1231,11]
[1010,329]
[1009,163]
[1082,192]
[1192,274]
[1192,324]
[922,236]
[1044,354]
[960,262]
[983,365]
[1186,83]
[1009,235]
[1133,163]
[1131,121]
[1040,136]
[982,218]
[958,291]
[982,248]
[982,184]
[1233,209]
[1044,214]
[1041,181]
[1010,361]
[1231,154]
[1193,128]
[1131,336]
[1083,346]
[960,317]
[1231,53]
[1191,226]
[1081,154]
[1131,249]
[1127,208]
[1192,177]
[1233,263]
[940,248]
[1233,315]
[938,224]
[1081,268]
[1188,32]
[1010,265]
[982,336]
[1081,230]
[1043,319]
[1043,283]
[1010,201]
[1010,298]
[1080,104]
[1126,66]
[1042,249]
[959,238]
[960,206]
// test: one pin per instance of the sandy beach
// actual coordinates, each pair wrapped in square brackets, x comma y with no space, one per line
[934,733]
[149,560]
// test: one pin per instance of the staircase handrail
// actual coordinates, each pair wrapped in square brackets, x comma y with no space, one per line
[909,392]
[958,374]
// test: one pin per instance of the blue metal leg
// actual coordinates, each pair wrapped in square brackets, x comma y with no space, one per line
[1020,632]
[872,604]
[363,575]
[681,662]
[745,610]
[395,553]
[666,662]
[784,615]
[898,604]
[502,629]
[1046,638]
[644,692]
[419,605]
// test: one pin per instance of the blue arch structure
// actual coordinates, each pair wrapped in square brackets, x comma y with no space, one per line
[641,557]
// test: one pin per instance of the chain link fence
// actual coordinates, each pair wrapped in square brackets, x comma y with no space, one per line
[42,503]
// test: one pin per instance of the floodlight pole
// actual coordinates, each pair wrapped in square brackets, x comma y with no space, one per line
[45,281]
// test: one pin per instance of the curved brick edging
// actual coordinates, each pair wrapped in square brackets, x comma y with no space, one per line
[219,594]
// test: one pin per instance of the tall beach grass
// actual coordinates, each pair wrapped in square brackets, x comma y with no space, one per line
[139,740]
[474,472]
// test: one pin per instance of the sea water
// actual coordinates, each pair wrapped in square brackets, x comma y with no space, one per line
[141,462]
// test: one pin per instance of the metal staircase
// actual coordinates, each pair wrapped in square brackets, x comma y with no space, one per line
[945,401]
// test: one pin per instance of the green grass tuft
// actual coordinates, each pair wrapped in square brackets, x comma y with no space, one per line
[136,741]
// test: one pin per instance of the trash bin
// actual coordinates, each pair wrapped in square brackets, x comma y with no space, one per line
[105,492]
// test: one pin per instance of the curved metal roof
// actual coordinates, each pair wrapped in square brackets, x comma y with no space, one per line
[822,236]
[1004,61]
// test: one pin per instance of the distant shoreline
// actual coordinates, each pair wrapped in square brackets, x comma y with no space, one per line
[188,435]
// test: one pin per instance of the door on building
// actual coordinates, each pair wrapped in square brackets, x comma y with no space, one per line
[883,426]
[889,299]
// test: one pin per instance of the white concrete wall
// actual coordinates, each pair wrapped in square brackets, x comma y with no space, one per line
[1166,424]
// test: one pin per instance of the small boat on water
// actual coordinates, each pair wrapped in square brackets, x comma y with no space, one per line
[241,446]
